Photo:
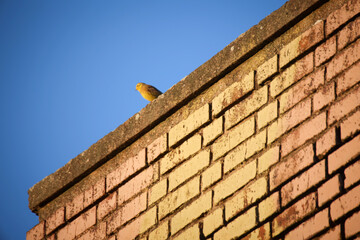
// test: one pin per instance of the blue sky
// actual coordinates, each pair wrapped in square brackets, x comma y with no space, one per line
[68,71]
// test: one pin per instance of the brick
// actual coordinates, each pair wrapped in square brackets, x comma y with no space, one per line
[173,200]
[107,205]
[161,232]
[324,96]
[244,151]
[189,169]
[125,170]
[214,130]
[350,125]
[140,225]
[232,93]
[301,90]
[349,33]
[328,190]
[269,206]
[37,232]
[302,43]
[303,133]
[342,15]
[269,158]
[211,175]
[267,114]
[311,227]
[326,142]
[332,234]
[55,220]
[137,184]
[75,206]
[344,154]
[343,60]
[94,192]
[352,174]
[78,226]
[290,119]
[191,212]
[352,225]
[246,107]
[232,138]
[156,148]
[292,74]
[157,191]
[194,121]
[213,221]
[237,227]
[52,237]
[325,51]
[185,150]
[190,233]
[302,183]
[99,232]
[267,69]
[291,166]
[345,203]
[245,197]
[261,233]
[126,212]
[348,79]
[294,213]
[234,181]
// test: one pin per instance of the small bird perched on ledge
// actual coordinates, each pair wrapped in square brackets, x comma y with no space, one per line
[147,91]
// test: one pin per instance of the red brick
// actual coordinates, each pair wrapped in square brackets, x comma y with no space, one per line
[261,233]
[55,220]
[333,234]
[350,125]
[294,214]
[291,166]
[343,60]
[303,133]
[324,96]
[352,225]
[301,90]
[37,232]
[106,206]
[352,174]
[137,184]
[342,15]
[267,69]
[125,170]
[345,203]
[303,182]
[348,79]
[328,190]
[349,33]
[325,51]
[94,192]
[98,232]
[156,148]
[344,154]
[326,142]
[75,206]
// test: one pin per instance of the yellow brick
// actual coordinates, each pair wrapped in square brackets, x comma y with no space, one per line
[266,160]
[191,212]
[157,191]
[189,169]
[180,196]
[267,114]
[245,197]
[213,221]
[192,233]
[211,175]
[214,130]
[267,69]
[236,180]
[262,233]
[238,226]
[269,206]
[187,126]
[179,154]
[161,232]
[246,107]
[232,93]
[232,138]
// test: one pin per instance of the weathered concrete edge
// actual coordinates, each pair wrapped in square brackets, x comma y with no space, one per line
[212,70]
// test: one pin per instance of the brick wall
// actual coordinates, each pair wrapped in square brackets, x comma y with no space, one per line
[267,149]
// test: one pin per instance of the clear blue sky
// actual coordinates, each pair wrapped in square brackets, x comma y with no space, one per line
[68,71]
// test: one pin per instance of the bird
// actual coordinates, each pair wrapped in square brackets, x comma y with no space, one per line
[147,91]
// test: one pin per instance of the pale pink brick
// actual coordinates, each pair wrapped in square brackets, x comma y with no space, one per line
[267,69]
[267,114]
[349,33]
[55,220]
[328,190]
[75,206]
[326,142]
[340,16]
[214,130]
[350,125]
[94,192]
[352,225]
[325,51]
[332,234]
[348,79]
[107,205]
[37,232]
[345,203]
[156,148]
[96,233]
[324,96]
[352,174]
[344,154]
